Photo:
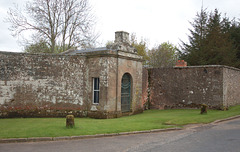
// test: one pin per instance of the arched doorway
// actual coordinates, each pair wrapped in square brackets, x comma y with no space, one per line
[126,92]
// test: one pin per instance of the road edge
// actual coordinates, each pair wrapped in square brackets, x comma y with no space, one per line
[39,139]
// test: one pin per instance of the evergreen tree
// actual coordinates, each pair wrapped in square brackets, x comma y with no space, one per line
[235,36]
[193,52]
[219,48]
[210,41]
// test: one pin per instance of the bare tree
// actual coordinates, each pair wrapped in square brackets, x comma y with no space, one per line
[62,24]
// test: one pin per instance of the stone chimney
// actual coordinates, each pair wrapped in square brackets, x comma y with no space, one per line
[122,43]
[122,37]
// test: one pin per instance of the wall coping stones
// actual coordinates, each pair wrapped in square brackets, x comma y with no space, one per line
[202,66]
[104,53]
[208,66]
[38,54]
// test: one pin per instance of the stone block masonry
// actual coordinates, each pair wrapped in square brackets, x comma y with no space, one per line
[231,86]
[145,88]
[45,85]
[188,87]
[42,85]
[83,83]
[89,83]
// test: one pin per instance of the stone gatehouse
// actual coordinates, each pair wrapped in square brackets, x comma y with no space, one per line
[107,82]
[100,83]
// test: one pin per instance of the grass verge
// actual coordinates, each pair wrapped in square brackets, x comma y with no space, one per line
[151,119]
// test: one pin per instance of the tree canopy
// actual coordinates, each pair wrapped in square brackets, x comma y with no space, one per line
[211,41]
[141,47]
[163,55]
[58,24]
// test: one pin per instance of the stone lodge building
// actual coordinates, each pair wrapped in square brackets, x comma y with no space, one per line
[99,83]
[108,82]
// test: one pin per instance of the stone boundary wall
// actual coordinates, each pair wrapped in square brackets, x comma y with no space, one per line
[189,87]
[34,85]
[186,87]
[145,90]
[45,85]
[231,86]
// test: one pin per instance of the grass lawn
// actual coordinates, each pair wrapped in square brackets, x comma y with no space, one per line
[151,119]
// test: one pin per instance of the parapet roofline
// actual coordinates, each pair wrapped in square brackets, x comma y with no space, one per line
[87,50]
[121,43]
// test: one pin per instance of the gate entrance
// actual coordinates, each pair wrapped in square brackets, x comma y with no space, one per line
[126,93]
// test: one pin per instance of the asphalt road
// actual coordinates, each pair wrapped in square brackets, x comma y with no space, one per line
[221,137]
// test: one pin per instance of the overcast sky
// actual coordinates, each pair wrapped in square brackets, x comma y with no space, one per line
[155,20]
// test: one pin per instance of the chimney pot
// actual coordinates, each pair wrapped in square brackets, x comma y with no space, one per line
[181,63]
